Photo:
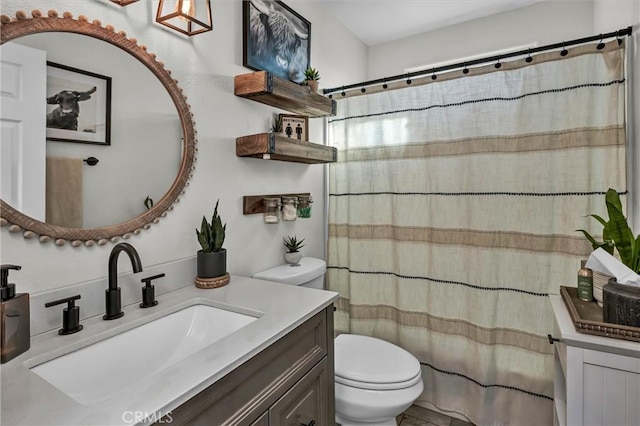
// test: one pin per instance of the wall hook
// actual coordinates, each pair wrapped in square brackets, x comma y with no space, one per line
[92,161]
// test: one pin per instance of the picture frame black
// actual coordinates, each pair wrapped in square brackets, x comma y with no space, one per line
[78,105]
[275,38]
[295,127]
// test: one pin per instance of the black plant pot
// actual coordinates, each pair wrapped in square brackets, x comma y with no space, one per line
[212,265]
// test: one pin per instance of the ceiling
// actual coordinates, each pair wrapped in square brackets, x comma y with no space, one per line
[380,21]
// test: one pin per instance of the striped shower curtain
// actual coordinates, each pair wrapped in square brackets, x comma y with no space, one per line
[453,212]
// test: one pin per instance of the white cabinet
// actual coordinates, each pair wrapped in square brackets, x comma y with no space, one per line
[596,379]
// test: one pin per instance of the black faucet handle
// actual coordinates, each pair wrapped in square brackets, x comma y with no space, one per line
[148,280]
[149,292]
[70,314]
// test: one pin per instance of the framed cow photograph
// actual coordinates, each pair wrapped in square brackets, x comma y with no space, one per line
[78,105]
[275,39]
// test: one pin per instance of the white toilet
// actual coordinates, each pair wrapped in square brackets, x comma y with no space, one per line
[375,380]
[309,272]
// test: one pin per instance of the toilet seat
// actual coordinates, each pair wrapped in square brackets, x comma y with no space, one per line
[378,386]
[369,363]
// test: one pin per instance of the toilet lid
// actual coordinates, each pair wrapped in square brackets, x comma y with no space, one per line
[368,362]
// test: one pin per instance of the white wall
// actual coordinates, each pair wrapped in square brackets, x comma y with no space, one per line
[204,66]
[543,23]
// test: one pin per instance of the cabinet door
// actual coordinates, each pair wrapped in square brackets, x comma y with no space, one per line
[611,389]
[262,421]
[305,403]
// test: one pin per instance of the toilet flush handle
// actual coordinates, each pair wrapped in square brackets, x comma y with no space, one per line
[311,423]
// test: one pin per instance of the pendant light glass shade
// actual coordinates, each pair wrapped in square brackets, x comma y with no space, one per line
[188,17]
[123,2]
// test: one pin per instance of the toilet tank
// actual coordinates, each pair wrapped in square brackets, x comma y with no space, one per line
[308,273]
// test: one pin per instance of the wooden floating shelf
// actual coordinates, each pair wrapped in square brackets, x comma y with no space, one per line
[264,87]
[270,146]
[252,204]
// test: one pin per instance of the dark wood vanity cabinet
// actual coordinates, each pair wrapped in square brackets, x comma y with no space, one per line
[289,383]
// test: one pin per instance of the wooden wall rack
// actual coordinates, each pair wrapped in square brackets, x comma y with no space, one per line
[252,204]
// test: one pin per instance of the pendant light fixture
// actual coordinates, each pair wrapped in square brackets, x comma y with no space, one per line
[188,17]
[123,2]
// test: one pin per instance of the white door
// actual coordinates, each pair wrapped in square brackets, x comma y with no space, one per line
[23,75]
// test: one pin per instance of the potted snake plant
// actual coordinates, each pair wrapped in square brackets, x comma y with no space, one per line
[616,235]
[212,258]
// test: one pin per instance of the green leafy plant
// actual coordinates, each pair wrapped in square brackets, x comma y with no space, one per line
[148,202]
[616,233]
[311,74]
[292,244]
[211,235]
[276,127]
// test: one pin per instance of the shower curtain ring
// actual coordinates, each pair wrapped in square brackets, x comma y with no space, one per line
[564,51]
[529,59]
[600,45]
[342,93]
[363,89]
[408,79]
[498,64]
[385,85]
[433,74]
[465,70]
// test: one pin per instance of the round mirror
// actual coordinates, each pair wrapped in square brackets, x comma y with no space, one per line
[147,150]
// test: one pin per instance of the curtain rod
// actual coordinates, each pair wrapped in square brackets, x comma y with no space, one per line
[617,34]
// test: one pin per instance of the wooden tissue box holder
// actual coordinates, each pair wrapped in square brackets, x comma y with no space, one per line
[621,304]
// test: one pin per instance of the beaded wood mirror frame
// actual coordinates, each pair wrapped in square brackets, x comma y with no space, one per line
[15,221]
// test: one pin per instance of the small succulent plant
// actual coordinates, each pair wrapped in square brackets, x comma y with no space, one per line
[292,244]
[311,74]
[211,235]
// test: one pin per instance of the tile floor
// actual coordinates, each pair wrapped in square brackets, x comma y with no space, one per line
[418,416]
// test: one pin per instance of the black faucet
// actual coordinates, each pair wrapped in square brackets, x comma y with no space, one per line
[112,294]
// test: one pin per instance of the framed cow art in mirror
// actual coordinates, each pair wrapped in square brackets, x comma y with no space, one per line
[275,39]
[78,105]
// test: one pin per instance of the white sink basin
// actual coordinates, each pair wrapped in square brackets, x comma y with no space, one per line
[96,372]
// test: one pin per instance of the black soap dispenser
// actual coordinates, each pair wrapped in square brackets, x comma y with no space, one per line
[14,318]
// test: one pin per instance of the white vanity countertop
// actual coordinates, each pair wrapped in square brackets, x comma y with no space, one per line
[27,399]
[570,336]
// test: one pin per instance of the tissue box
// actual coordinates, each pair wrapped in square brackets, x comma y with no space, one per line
[621,304]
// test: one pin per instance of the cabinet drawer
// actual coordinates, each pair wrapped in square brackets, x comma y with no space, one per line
[306,402]
[240,397]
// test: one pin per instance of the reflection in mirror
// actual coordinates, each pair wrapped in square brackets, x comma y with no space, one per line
[145,152]
[152,143]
